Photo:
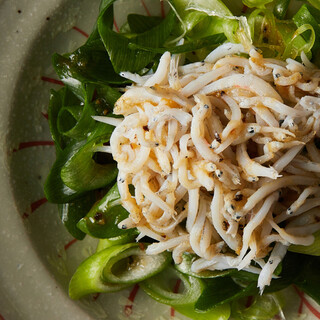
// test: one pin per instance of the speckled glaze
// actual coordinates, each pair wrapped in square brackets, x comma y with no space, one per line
[37,256]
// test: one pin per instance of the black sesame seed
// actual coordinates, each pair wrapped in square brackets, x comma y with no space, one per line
[217,136]
[238,197]
[98,216]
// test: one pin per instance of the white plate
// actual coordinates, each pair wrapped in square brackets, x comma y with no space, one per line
[38,256]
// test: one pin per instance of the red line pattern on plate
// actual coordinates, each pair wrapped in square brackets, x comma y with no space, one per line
[244,9]
[45,115]
[301,304]
[1,317]
[145,8]
[29,144]
[128,307]
[312,309]
[51,80]
[115,25]
[175,290]
[249,301]
[96,296]
[69,244]
[163,13]
[80,31]
[33,207]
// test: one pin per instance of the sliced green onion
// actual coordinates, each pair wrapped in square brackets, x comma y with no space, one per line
[262,307]
[222,290]
[161,288]
[109,242]
[88,276]
[82,173]
[256,3]
[103,218]
[221,312]
[70,213]
[293,48]
[131,264]
[280,8]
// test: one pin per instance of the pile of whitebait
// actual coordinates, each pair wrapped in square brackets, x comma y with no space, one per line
[222,156]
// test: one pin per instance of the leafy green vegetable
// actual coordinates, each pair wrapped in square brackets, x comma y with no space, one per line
[131,264]
[82,173]
[58,100]
[222,290]
[262,307]
[88,64]
[139,23]
[187,47]
[88,276]
[71,212]
[256,3]
[103,218]
[308,280]
[161,288]
[309,16]
[123,238]
[221,312]
[280,8]
[55,189]
[122,57]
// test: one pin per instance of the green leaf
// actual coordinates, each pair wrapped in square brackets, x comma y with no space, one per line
[315,3]
[309,16]
[76,121]
[131,264]
[57,101]
[309,280]
[213,7]
[263,307]
[88,276]
[161,288]
[222,290]
[55,189]
[123,238]
[122,57]
[139,23]
[82,173]
[193,45]
[221,312]
[103,218]
[88,64]
[256,3]
[280,8]
[70,213]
